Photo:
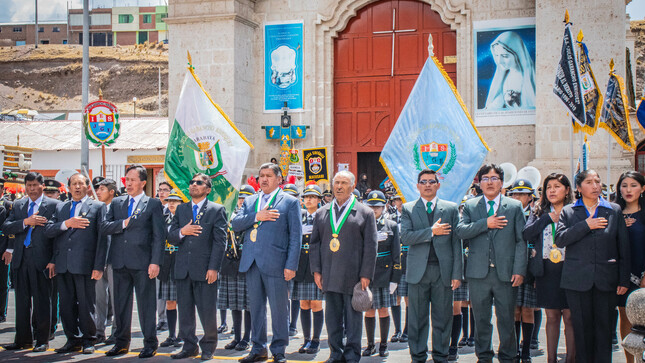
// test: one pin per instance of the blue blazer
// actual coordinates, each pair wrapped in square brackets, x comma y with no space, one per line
[277,246]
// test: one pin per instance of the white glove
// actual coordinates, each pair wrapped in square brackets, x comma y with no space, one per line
[393,286]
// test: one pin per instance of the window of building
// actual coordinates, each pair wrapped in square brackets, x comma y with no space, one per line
[44,42]
[17,29]
[41,29]
[147,18]
[125,18]
[161,17]
[55,29]
[143,37]
[20,42]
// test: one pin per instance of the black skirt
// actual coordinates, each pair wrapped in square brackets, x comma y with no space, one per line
[549,293]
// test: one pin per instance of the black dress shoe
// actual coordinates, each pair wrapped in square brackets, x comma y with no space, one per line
[184,354]
[535,344]
[110,340]
[242,345]
[254,357]
[395,338]
[222,329]
[69,347]
[370,350]
[305,345]
[314,347]
[147,353]
[3,318]
[206,356]
[404,338]
[382,350]
[88,349]
[231,345]
[39,348]
[170,341]
[279,358]
[116,350]
[16,346]
[463,342]
[163,326]
[471,342]
[453,353]
[99,339]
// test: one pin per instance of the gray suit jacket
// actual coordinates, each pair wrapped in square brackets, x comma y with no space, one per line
[416,232]
[356,257]
[511,256]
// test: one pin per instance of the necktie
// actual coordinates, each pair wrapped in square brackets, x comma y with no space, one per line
[310,220]
[265,199]
[491,209]
[130,206]
[195,207]
[29,213]
[72,212]
[429,207]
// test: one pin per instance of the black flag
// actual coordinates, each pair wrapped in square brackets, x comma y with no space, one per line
[567,79]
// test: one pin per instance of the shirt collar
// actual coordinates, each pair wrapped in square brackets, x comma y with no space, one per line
[496,199]
[271,194]
[82,201]
[200,204]
[344,204]
[602,202]
[136,198]
[433,201]
[37,201]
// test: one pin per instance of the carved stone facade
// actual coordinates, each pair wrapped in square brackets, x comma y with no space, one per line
[225,39]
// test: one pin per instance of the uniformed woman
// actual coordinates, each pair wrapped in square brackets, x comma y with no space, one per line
[167,287]
[304,289]
[294,306]
[233,293]
[387,275]
[402,289]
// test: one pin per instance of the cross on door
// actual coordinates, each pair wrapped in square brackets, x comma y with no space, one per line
[394,31]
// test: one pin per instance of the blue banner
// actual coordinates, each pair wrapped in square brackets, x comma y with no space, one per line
[283,66]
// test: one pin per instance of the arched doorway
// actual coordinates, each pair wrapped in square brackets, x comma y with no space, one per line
[377,59]
[640,158]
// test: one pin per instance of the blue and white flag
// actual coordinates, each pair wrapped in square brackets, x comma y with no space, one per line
[640,113]
[434,131]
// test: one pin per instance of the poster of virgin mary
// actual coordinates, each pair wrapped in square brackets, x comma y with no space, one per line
[505,72]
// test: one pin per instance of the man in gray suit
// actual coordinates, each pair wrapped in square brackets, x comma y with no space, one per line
[199,229]
[434,267]
[270,221]
[497,260]
[343,252]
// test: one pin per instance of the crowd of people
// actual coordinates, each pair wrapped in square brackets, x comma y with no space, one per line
[327,258]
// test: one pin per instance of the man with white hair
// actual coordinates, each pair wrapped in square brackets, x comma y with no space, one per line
[343,252]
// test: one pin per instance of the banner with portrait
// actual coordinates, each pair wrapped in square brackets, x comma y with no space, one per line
[315,164]
[504,72]
[283,66]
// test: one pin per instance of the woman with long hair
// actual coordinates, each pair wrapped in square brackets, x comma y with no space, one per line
[596,267]
[546,261]
[630,198]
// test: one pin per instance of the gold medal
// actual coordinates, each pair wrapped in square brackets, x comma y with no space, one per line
[334,244]
[555,255]
[254,233]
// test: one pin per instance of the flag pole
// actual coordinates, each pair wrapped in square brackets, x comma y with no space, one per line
[571,148]
[608,162]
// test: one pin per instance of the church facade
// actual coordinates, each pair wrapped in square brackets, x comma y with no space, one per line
[359,60]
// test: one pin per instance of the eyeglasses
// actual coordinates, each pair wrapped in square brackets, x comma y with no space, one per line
[427,181]
[198,182]
[492,179]
[164,190]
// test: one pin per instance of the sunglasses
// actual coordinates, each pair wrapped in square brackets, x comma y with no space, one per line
[427,181]
[198,182]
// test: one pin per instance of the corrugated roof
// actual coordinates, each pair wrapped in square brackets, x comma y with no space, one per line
[140,133]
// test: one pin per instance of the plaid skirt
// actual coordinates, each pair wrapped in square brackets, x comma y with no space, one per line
[526,296]
[461,294]
[233,293]
[381,298]
[168,290]
[304,291]
[402,289]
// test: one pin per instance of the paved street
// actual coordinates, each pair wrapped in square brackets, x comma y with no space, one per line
[398,351]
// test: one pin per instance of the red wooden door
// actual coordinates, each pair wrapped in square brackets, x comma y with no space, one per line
[369,88]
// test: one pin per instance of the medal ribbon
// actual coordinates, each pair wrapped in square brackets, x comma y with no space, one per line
[335,225]
[269,204]
[553,235]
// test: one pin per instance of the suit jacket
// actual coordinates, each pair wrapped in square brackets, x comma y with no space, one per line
[597,257]
[78,251]
[356,257]
[277,246]
[198,254]
[388,257]
[6,205]
[416,232]
[510,250]
[41,244]
[141,243]
[533,235]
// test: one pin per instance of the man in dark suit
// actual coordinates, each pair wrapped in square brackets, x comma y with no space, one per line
[31,251]
[497,258]
[434,267]
[7,205]
[199,229]
[79,257]
[342,256]
[273,228]
[138,231]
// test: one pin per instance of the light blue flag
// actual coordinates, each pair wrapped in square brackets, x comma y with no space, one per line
[434,131]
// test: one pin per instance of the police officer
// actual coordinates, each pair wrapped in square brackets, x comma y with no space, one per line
[304,289]
[327,197]
[95,184]
[292,190]
[357,194]
[5,207]
[387,275]
[233,293]
[52,188]
[402,288]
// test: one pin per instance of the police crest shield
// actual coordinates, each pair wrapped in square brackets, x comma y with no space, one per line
[101,122]
[434,155]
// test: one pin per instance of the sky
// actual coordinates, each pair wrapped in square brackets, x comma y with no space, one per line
[23,10]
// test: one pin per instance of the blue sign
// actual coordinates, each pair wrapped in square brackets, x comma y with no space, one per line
[283,66]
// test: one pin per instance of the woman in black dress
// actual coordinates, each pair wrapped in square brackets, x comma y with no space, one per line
[629,196]
[546,264]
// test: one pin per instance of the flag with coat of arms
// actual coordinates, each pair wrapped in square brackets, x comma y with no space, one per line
[614,116]
[434,131]
[204,140]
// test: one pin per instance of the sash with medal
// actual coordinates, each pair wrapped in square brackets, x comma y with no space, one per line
[253,236]
[549,249]
[337,224]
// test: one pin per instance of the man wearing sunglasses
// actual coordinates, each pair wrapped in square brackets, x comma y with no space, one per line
[497,259]
[434,267]
[199,229]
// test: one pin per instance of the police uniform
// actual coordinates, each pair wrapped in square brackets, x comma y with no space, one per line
[52,185]
[168,286]
[388,261]
[304,287]
[526,293]
[6,205]
[461,293]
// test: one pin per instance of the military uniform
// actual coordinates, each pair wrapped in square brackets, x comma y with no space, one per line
[388,264]
[303,287]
